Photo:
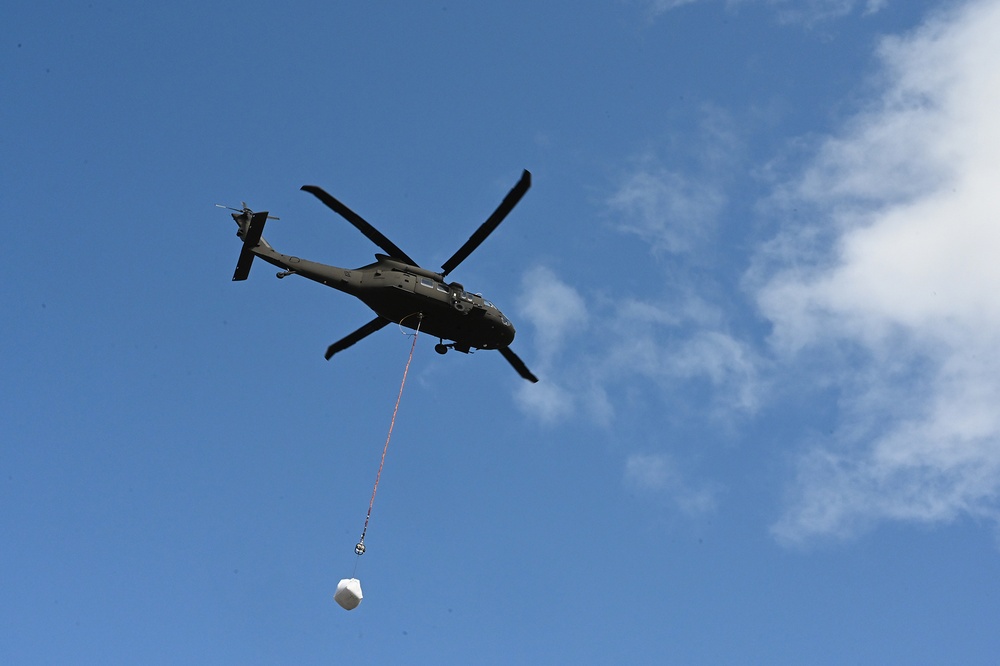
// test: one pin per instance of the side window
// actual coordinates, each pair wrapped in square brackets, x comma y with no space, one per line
[444,288]
[427,282]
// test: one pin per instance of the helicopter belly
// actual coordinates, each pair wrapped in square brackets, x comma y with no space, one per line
[469,325]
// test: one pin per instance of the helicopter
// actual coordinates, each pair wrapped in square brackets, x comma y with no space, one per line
[395,287]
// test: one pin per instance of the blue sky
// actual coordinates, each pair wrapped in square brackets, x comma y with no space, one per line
[755,273]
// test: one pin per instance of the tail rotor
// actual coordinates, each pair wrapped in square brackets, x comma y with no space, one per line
[251,227]
[244,211]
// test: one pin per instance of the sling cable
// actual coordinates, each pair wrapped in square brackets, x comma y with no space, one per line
[348,593]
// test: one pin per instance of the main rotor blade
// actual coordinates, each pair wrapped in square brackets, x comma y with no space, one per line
[518,364]
[373,234]
[374,325]
[490,224]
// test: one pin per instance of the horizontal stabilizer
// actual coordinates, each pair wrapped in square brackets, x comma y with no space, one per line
[251,239]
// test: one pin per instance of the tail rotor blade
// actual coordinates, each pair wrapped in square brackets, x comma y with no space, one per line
[245,209]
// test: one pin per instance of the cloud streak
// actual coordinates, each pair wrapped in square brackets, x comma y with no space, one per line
[808,11]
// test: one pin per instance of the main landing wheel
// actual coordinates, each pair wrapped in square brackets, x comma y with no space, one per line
[441,348]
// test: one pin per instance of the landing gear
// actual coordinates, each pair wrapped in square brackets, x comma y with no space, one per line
[442,348]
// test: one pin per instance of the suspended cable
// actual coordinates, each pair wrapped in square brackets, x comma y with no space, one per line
[360,548]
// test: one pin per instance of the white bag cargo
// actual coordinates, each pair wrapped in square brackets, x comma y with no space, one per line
[348,593]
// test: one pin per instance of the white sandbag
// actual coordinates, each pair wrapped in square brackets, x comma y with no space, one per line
[348,593]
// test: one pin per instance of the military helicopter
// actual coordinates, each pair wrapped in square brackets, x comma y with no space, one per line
[395,286]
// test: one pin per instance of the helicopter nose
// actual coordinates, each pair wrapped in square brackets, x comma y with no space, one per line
[509,333]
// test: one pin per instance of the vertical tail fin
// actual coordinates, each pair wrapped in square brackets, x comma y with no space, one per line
[251,228]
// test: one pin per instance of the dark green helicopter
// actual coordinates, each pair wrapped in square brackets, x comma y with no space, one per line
[395,286]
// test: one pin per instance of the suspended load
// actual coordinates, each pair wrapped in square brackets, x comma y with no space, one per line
[348,593]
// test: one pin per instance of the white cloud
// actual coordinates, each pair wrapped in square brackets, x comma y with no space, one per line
[557,313]
[547,401]
[887,296]
[554,308]
[910,283]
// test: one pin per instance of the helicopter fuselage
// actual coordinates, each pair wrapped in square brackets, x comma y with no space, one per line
[395,287]
[408,295]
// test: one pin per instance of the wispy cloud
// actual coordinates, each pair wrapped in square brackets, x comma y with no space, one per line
[671,211]
[675,208]
[670,345]
[672,336]
[686,341]
[909,284]
[657,474]
[658,6]
[811,11]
